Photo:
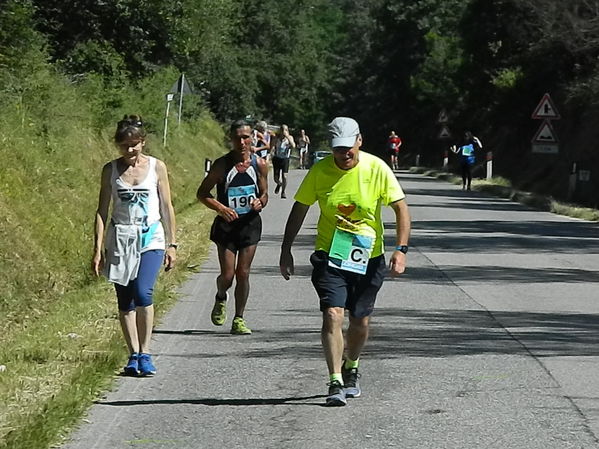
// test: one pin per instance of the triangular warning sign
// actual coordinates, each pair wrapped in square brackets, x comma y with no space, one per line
[545,133]
[181,85]
[546,109]
[444,133]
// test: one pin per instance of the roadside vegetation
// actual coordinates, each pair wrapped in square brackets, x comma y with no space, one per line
[59,338]
[501,187]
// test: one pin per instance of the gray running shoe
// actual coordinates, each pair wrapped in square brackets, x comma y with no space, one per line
[336,397]
[351,385]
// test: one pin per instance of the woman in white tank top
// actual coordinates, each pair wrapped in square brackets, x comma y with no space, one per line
[140,237]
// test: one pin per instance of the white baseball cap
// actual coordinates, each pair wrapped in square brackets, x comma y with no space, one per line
[344,132]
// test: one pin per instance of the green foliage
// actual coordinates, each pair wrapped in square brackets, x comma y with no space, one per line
[507,79]
[403,68]
[97,57]
[435,79]
[18,40]
[22,55]
[136,29]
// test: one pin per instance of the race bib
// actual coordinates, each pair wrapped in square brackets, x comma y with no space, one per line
[350,252]
[240,198]
[468,150]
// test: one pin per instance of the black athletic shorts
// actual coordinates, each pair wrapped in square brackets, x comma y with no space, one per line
[241,233]
[340,288]
[281,163]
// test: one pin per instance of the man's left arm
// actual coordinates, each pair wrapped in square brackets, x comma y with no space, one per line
[403,225]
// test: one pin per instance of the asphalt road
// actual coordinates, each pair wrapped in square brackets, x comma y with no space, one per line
[489,340]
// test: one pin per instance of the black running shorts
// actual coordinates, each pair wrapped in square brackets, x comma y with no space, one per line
[281,163]
[340,288]
[241,233]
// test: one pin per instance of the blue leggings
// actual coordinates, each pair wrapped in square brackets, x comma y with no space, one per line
[138,293]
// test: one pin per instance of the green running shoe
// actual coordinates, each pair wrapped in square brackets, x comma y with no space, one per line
[239,327]
[219,311]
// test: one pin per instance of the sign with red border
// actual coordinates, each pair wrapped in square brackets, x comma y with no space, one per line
[546,109]
[545,133]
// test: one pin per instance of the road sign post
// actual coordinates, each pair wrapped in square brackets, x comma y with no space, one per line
[489,165]
[444,135]
[169,98]
[207,165]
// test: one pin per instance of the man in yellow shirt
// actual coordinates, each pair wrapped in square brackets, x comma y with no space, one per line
[349,266]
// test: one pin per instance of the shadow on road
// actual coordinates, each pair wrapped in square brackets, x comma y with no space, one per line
[446,333]
[430,333]
[494,275]
[514,236]
[304,271]
[216,401]
[183,332]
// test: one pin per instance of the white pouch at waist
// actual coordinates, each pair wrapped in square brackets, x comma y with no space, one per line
[123,253]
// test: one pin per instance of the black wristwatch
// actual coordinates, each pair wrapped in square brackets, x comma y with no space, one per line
[402,248]
[172,245]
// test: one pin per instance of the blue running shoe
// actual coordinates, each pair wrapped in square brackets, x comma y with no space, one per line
[132,367]
[336,397]
[146,367]
[350,382]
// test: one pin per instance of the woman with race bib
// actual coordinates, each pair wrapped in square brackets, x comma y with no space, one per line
[466,153]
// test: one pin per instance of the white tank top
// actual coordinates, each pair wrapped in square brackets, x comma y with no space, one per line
[139,205]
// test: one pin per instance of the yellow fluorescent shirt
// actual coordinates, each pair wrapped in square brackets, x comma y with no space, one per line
[355,195]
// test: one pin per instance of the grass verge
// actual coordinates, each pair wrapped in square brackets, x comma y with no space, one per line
[57,367]
[501,187]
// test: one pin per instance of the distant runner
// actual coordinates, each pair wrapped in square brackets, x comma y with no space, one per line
[393,144]
[261,140]
[303,143]
[349,266]
[466,152]
[240,178]
[281,146]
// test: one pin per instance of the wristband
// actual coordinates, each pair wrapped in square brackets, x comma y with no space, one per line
[172,245]
[402,248]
